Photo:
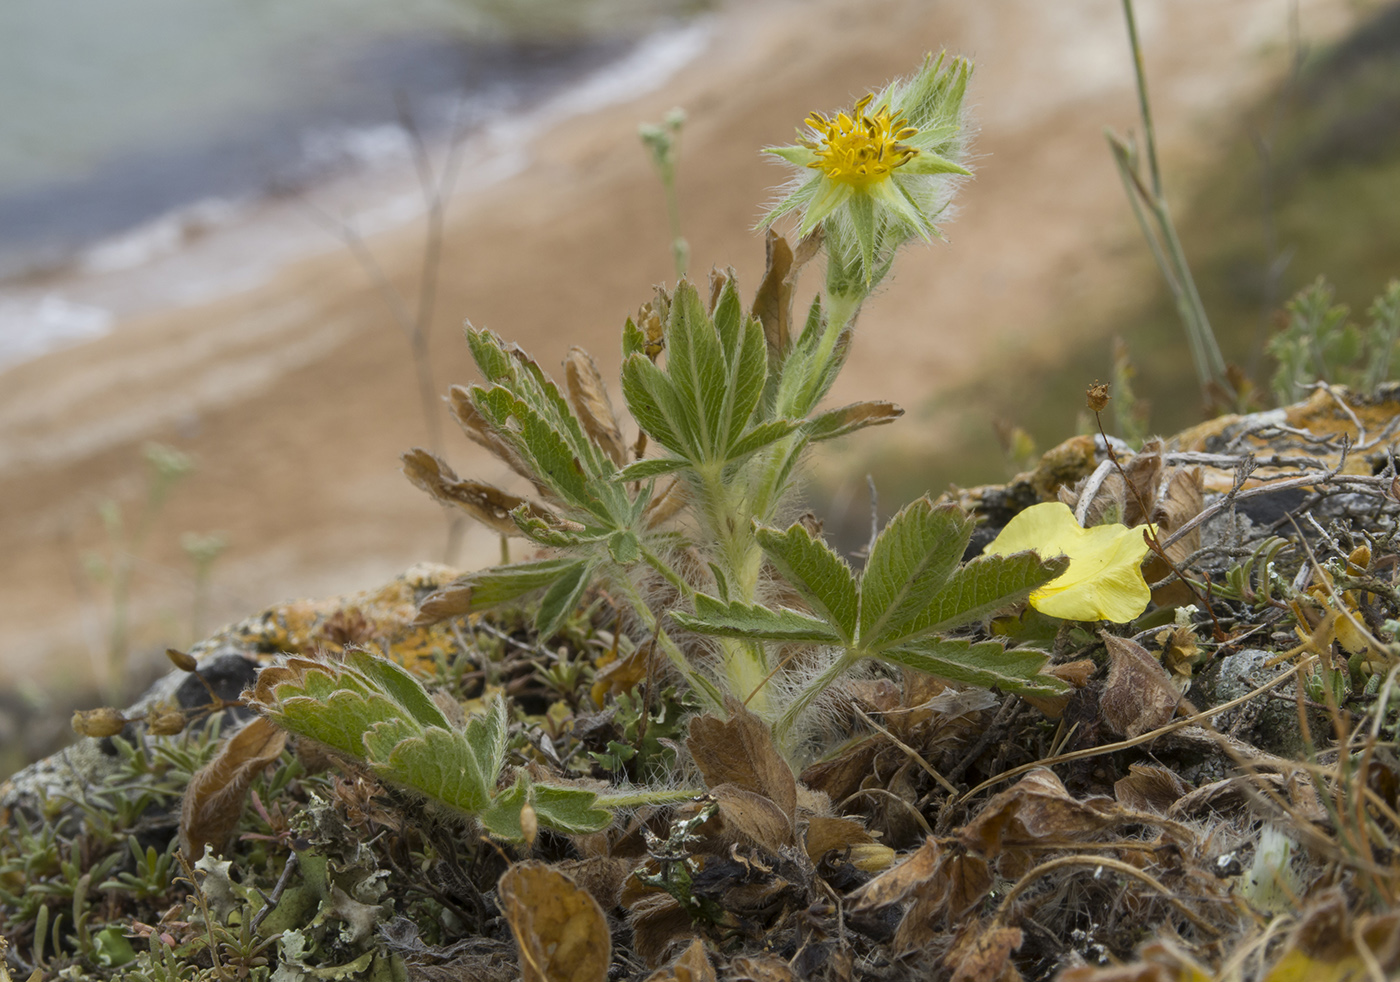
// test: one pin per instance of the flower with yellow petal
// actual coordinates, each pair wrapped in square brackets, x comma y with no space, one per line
[878,175]
[1104,579]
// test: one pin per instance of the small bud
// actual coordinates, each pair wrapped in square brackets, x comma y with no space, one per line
[529,824]
[165,722]
[1097,396]
[184,662]
[102,722]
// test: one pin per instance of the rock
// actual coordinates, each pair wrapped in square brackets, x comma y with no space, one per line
[229,661]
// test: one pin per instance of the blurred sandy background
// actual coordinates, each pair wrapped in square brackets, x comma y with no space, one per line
[296,395]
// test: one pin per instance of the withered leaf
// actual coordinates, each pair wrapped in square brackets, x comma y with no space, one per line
[601,876]
[665,505]
[657,921]
[898,882]
[691,965]
[760,968]
[214,797]
[450,601]
[487,503]
[559,928]
[1139,695]
[754,816]
[825,833]
[479,432]
[588,395]
[772,304]
[1148,787]
[740,751]
[1178,503]
[982,953]
[841,777]
[848,419]
[1034,809]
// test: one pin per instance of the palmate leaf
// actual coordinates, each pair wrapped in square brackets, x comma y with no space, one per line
[973,591]
[912,590]
[701,406]
[910,561]
[372,710]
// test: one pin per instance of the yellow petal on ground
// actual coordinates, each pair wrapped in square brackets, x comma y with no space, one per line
[1104,580]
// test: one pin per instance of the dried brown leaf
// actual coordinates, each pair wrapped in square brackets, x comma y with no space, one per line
[841,777]
[982,953]
[691,965]
[1139,695]
[1148,787]
[754,816]
[479,432]
[825,833]
[893,885]
[450,601]
[740,751]
[1033,809]
[487,503]
[1180,502]
[772,304]
[857,416]
[588,395]
[658,920]
[666,505]
[760,968]
[960,884]
[559,928]
[214,798]
[601,876]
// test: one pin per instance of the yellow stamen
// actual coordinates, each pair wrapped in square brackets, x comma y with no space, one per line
[862,150]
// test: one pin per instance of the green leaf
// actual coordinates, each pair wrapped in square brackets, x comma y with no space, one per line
[644,470]
[985,664]
[400,685]
[862,214]
[696,368]
[562,599]
[486,740]
[341,721]
[624,547]
[740,620]
[634,342]
[822,577]
[502,584]
[928,162]
[572,811]
[975,590]
[909,562]
[657,407]
[759,437]
[502,819]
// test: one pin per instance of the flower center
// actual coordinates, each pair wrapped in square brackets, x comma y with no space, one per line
[862,150]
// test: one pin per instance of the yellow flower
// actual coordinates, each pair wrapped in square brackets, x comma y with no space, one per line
[1104,580]
[880,173]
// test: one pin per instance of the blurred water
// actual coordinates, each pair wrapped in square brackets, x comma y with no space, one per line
[114,111]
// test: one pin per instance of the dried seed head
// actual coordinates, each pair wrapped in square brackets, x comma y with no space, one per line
[184,662]
[1097,396]
[165,722]
[102,722]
